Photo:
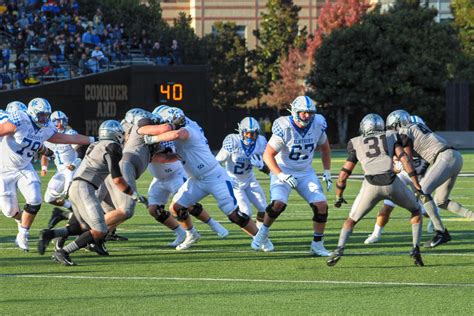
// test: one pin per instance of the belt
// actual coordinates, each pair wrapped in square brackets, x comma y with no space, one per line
[75,179]
[442,150]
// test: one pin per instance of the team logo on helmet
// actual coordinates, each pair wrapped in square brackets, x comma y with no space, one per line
[16,106]
[39,111]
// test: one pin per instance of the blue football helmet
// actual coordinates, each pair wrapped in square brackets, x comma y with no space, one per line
[39,111]
[16,106]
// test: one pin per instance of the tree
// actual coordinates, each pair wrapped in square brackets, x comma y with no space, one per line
[232,84]
[293,70]
[463,12]
[398,59]
[335,15]
[278,32]
[191,46]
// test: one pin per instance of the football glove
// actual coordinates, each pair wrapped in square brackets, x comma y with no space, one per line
[327,179]
[288,179]
[256,161]
[339,201]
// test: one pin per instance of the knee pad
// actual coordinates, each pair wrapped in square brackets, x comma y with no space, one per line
[182,214]
[129,211]
[260,216]
[161,214]
[318,217]
[242,219]
[196,210]
[271,212]
[32,209]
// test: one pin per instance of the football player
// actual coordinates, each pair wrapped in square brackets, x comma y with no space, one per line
[206,176]
[374,148]
[23,136]
[384,214]
[102,158]
[240,152]
[66,160]
[289,155]
[445,165]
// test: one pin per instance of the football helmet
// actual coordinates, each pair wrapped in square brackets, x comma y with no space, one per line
[303,104]
[143,114]
[248,125]
[16,106]
[59,116]
[39,111]
[111,130]
[417,120]
[174,116]
[130,115]
[397,119]
[371,124]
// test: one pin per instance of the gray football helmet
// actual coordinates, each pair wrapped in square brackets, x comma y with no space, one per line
[397,119]
[130,115]
[371,124]
[111,130]
[417,120]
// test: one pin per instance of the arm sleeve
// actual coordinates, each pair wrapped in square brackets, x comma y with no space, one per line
[352,157]
[112,156]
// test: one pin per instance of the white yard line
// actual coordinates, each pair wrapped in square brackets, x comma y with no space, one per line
[226,280]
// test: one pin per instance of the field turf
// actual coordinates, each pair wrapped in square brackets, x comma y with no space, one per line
[143,276]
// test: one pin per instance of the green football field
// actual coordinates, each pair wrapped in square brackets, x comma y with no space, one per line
[143,276]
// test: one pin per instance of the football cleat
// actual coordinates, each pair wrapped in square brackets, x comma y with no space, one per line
[219,230]
[190,239]
[416,255]
[258,240]
[58,243]
[98,247]
[335,256]
[60,256]
[180,237]
[112,236]
[372,239]
[267,246]
[45,237]
[317,248]
[21,241]
[438,239]
[57,216]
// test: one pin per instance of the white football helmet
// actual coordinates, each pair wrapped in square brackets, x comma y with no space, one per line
[39,111]
[248,125]
[158,110]
[16,106]
[371,124]
[111,130]
[397,119]
[174,116]
[417,120]
[59,116]
[303,104]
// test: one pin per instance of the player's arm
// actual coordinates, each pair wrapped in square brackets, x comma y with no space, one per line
[407,165]
[180,134]
[153,130]
[222,155]
[60,138]
[325,150]
[344,174]
[44,165]
[7,128]
[269,158]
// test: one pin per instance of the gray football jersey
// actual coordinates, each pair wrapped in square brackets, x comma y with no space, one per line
[426,143]
[135,149]
[374,152]
[101,159]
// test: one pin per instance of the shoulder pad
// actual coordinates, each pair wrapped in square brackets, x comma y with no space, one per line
[280,125]
[320,121]
[229,143]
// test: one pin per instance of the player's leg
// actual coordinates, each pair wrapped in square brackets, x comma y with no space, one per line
[310,189]
[8,198]
[441,196]
[382,219]
[188,194]
[367,198]
[198,211]
[54,195]
[256,195]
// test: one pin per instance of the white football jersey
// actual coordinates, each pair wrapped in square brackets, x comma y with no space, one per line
[3,119]
[64,154]
[17,150]
[195,153]
[164,170]
[295,146]
[236,155]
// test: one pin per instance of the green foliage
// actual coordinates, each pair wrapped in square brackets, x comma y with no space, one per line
[190,43]
[398,59]
[277,34]
[463,12]
[227,55]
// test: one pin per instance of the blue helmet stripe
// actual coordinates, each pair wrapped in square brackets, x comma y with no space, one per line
[308,102]
[250,120]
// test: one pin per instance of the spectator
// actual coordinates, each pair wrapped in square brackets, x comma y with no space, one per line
[21,63]
[99,56]
[145,47]
[44,65]
[159,54]
[175,53]
[6,54]
[93,65]
[83,65]
[95,40]
[87,38]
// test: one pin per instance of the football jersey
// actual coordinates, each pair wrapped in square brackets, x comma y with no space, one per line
[194,152]
[135,150]
[426,143]
[375,152]
[3,119]
[94,168]
[295,146]
[64,154]
[17,150]
[164,170]
[236,155]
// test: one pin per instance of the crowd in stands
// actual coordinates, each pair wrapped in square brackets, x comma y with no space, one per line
[47,40]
